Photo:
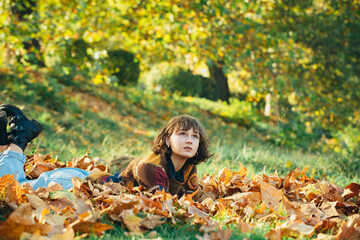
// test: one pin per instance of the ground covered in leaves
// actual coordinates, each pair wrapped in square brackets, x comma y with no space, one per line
[293,206]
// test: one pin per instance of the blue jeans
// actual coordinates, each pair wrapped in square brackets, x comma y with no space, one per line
[13,163]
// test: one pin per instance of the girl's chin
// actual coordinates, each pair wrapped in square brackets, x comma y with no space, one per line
[188,155]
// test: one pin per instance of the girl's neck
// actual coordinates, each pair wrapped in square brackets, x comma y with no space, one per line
[177,161]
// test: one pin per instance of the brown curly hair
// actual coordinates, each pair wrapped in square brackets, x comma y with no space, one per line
[184,122]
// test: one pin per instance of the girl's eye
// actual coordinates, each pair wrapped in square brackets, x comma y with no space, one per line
[195,136]
[182,133]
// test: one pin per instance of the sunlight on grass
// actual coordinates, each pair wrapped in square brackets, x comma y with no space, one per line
[114,122]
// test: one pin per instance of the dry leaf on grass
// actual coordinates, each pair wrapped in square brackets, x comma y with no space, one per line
[314,206]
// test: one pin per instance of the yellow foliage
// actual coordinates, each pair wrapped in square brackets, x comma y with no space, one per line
[98,79]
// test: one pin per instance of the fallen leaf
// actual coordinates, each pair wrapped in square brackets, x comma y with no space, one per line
[270,195]
[87,227]
[350,229]
[133,223]
[36,202]
[152,221]
[351,190]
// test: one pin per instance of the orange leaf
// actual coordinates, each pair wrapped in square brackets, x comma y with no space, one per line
[225,175]
[43,213]
[82,227]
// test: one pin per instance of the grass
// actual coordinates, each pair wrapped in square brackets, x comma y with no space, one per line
[115,121]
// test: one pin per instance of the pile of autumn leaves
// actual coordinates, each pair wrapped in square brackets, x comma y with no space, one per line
[293,206]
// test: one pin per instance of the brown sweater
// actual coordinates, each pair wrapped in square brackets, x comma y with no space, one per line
[153,171]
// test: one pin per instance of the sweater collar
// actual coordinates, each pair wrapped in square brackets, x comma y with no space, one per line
[179,175]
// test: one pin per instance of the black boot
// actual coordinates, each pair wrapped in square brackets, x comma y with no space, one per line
[3,125]
[22,130]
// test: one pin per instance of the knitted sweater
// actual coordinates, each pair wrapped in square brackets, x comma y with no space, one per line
[153,171]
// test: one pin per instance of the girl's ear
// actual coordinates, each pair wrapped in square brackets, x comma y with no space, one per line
[167,142]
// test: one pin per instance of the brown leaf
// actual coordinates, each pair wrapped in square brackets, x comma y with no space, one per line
[209,204]
[210,186]
[271,217]
[351,190]
[246,198]
[274,234]
[322,236]
[221,234]
[20,221]
[152,221]
[244,227]
[290,208]
[324,226]
[36,202]
[194,210]
[270,195]
[86,227]
[22,215]
[297,228]
[38,168]
[329,208]
[67,234]
[350,229]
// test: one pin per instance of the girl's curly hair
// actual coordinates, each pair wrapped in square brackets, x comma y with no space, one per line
[183,122]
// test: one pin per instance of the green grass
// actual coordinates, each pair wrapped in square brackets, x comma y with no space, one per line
[115,121]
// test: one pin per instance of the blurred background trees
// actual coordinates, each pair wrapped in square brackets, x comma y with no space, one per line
[297,59]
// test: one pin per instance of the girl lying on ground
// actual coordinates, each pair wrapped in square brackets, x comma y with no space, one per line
[180,146]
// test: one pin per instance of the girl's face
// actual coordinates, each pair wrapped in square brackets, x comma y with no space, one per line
[184,144]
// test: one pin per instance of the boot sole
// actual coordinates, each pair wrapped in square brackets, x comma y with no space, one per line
[38,126]
[14,109]
[3,116]
[3,124]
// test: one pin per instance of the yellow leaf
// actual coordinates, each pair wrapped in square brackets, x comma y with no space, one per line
[132,222]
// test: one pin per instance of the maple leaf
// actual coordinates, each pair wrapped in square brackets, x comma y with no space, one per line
[350,229]
[21,220]
[351,190]
[270,195]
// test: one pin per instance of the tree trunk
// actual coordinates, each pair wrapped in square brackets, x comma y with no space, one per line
[217,75]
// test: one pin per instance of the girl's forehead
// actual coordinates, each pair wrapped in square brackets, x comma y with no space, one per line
[187,128]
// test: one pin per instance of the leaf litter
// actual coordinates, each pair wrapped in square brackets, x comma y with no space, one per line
[295,206]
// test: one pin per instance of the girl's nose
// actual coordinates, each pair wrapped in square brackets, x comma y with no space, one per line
[188,140]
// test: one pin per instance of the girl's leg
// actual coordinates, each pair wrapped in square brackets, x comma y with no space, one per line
[61,176]
[3,148]
[12,163]
[15,148]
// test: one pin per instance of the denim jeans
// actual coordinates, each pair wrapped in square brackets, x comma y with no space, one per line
[13,163]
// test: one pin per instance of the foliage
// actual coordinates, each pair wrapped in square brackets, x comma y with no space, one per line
[240,112]
[123,65]
[75,52]
[174,79]
[304,53]
[178,78]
